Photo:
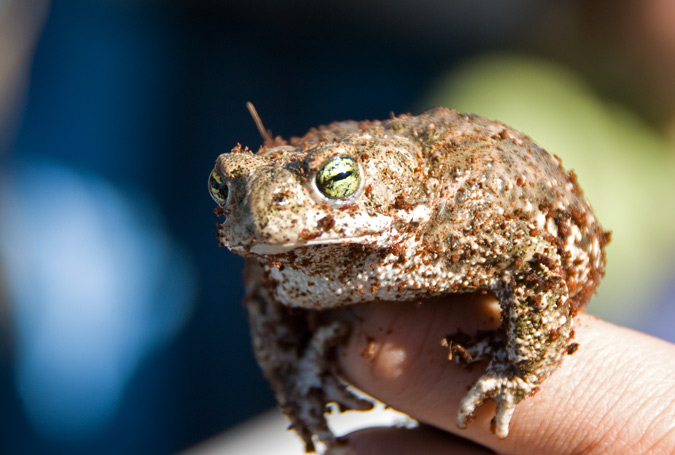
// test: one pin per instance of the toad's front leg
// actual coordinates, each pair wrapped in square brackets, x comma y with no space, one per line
[295,353]
[536,327]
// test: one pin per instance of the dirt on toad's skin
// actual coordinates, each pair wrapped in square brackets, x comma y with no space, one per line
[442,203]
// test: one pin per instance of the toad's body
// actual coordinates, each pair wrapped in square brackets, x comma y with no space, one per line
[406,209]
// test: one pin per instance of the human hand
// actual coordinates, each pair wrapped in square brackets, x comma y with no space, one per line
[616,394]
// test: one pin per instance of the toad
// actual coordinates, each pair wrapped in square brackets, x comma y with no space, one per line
[407,209]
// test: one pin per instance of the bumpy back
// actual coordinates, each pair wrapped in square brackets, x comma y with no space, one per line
[510,176]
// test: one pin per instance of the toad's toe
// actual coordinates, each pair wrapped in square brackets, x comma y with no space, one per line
[505,391]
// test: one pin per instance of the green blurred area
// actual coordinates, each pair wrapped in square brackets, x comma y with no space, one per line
[626,168]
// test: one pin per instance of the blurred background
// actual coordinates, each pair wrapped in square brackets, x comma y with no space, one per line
[121,325]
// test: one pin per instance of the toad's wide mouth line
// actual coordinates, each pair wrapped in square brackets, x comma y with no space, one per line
[268,249]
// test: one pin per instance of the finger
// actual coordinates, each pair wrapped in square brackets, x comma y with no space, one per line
[400,441]
[616,392]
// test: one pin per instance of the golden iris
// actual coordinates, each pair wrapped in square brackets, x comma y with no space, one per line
[218,188]
[339,178]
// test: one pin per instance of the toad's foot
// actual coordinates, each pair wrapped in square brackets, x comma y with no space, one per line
[502,386]
[498,383]
[313,386]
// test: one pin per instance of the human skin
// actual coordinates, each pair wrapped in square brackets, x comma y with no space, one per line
[615,394]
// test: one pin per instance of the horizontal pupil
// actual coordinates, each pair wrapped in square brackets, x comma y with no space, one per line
[340,176]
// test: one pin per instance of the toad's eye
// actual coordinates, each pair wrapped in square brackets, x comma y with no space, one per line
[218,188]
[339,178]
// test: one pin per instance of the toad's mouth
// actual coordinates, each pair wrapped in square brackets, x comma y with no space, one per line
[269,249]
[250,235]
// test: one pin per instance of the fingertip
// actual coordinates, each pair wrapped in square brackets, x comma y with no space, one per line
[393,345]
[614,377]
